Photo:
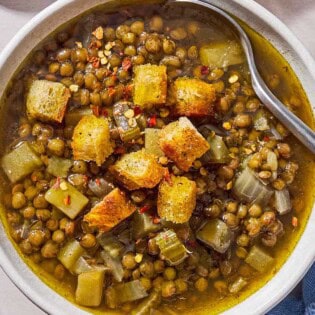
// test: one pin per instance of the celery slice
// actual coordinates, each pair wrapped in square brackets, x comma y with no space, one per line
[283,201]
[80,266]
[66,198]
[90,288]
[216,234]
[20,162]
[258,259]
[114,264]
[144,308]
[110,244]
[70,253]
[151,140]
[238,285]
[58,167]
[172,250]
[74,116]
[130,291]
[142,225]
[218,152]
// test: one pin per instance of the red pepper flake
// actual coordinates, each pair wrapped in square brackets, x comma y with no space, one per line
[152,121]
[98,182]
[295,222]
[119,150]
[57,183]
[104,112]
[204,70]
[156,220]
[144,209]
[137,110]
[111,91]
[266,138]
[95,110]
[95,61]
[127,91]
[126,64]
[67,200]
[167,177]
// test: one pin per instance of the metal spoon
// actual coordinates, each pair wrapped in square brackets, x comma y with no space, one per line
[298,128]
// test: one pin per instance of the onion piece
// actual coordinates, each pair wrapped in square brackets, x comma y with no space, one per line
[114,265]
[100,187]
[272,160]
[275,133]
[283,201]
[249,188]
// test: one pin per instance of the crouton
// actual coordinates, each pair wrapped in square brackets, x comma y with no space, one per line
[176,199]
[138,170]
[182,143]
[150,85]
[47,101]
[91,140]
[192,98]
[114,208]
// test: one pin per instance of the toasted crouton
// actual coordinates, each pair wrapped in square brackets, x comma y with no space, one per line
[176,199]
[182,143]
[150,85]
[47,101]
[91,140]
[114,208]
[138,170]
[192,98]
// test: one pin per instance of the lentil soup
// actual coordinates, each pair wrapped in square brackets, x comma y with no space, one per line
[139,162]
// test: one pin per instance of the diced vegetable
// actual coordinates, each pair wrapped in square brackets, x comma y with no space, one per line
[176,199]
[218,152]
[58,167]
[261,122]
[150,85]
[221,54]
[114,264]
[172,250]
[130,291]
[114,208]
[74,116]
[66,198]
[111,299]
[272,161]
[249,188]
[238,285]
[138,170]
[80,266]
[144,308]
[258,259]
[90,288]
[151,141]
[192,97]
[283,201]
[127,127]
[101,187]
[142,225]
[47,101]
[182,143]
[216,234]
[91,140]
[70,253]
[110,244]
[20,162]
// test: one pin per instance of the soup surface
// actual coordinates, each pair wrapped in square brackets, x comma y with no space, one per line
[142,173]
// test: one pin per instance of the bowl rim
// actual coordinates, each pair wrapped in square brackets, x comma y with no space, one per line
[279,289]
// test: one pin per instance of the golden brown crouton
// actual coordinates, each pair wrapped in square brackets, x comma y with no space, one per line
[138,170]
[47,101]
[114,208]
[176,199]
[150,85]
[182,143]
[91,140]
[192,97]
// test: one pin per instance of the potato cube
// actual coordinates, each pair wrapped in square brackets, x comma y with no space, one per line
[182,143]
[193,98]
[47,101]
[20,162]
[176,199]
[150,85]
[91,140]
[114,208]
[138,170]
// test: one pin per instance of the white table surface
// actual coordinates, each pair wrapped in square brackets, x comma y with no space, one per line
[299,15]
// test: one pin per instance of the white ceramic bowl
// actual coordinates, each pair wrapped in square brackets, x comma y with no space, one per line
[260,20]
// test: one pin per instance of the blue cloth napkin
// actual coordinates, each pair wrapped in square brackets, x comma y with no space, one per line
[301,301]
